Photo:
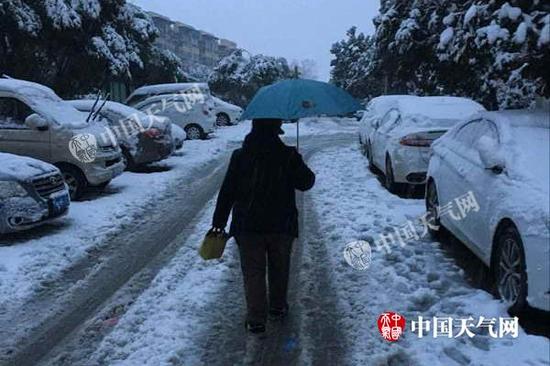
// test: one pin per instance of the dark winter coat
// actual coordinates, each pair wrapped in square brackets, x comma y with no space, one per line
[260,187]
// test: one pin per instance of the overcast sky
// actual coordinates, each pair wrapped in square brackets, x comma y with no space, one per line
[295,29]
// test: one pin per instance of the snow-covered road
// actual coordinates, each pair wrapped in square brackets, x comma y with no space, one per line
[191,313]
[119,282]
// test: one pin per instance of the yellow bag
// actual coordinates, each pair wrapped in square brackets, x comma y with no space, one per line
[213,245]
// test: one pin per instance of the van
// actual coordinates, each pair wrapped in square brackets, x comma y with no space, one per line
[35,122]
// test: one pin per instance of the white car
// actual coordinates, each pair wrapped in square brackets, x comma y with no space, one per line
[32,193]
[501,162]
[400,147]
[144,92]
[188,105]
[370,120]
[226,113]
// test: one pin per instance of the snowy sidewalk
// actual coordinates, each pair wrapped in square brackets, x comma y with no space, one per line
[415,280]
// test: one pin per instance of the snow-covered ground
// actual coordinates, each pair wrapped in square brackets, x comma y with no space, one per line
[166,324]
[30,260]
[417,279]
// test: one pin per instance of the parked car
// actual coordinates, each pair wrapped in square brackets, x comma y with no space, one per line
[400,146]
[178,136]
[227,114]
[370,120]
[35,122]
[31,193]
[502,159]
[148,91]
[189,105]
[143,139]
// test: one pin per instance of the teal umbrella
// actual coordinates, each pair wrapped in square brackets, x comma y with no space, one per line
[299,98]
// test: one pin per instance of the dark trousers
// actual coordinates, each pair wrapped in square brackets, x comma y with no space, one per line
[258,251]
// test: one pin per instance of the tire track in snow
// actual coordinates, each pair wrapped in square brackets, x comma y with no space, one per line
[127,253]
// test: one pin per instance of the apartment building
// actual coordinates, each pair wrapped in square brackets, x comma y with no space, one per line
[193,46]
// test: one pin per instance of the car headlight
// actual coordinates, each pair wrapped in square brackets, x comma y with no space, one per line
[9,189]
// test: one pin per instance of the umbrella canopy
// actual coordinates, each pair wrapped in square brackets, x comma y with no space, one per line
[299,98]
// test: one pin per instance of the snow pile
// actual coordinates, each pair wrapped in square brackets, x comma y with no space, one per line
[417,279]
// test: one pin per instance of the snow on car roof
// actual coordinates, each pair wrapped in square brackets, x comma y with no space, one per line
[169,88]
[21,167]
[439,108]
[27,88]
[44,101]
[116,107]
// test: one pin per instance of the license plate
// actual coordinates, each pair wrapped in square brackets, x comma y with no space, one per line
[59,204]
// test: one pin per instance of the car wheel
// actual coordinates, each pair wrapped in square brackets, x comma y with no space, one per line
[510,272]
[194,132]
[389,178]
[223,119]
[128,160]
[75,180]
[432,208]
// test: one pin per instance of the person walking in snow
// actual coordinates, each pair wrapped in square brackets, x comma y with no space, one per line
[259,187]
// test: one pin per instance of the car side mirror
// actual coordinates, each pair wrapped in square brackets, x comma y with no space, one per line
[491,155]
[36,122]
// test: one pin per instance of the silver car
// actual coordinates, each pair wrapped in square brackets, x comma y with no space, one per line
[35,122]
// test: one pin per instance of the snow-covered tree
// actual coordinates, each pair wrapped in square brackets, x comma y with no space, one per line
[494,51]
[305,69]
[239,76]
[77,45]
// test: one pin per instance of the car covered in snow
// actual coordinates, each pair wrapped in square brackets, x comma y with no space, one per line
[226,113]
[494,168]
[143,139]
[35,122]
[371,117]
[178,136]
[400,146]
[31,193]
[148,91]
[189,105]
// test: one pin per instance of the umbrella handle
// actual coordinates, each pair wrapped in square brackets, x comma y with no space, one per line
[298,135]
